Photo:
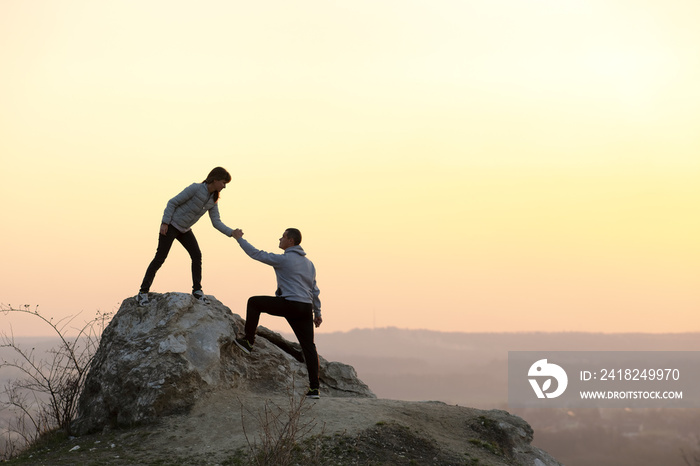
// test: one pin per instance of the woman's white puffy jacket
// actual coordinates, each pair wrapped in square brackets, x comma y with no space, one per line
[186,208]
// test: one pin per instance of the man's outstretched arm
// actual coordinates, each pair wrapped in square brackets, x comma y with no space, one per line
[262,256]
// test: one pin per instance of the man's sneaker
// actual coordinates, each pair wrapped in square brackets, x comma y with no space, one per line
[199,296]
[313,393]
[244,344]
[142,298]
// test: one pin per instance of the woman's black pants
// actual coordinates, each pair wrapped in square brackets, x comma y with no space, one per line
[164,243]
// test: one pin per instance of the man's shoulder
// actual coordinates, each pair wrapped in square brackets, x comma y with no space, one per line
[296,250]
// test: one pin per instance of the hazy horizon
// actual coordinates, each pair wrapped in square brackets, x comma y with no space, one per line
[284,330]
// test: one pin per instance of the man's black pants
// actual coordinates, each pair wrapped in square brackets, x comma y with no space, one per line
[300,317]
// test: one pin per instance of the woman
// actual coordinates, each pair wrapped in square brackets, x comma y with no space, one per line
[180,214]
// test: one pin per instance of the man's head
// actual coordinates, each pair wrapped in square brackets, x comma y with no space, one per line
[290,237]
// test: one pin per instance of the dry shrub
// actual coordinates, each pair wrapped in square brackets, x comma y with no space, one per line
[45,395]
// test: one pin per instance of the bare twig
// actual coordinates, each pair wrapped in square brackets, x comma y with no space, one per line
[45,397]
[281,429]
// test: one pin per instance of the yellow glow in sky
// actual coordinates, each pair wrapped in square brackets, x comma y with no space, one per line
[455,165]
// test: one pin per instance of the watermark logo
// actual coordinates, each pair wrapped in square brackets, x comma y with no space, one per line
[603,379]
[547,371]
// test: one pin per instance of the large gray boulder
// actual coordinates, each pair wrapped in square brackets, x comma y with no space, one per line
[159,359]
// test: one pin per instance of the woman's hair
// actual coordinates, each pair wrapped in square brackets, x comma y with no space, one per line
[218,174]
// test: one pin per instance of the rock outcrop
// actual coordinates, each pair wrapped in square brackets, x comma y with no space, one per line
[159,359]
[175,361]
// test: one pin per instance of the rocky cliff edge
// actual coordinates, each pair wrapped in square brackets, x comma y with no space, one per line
[171,369]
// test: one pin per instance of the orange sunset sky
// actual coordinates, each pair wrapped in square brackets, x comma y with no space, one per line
[457,165]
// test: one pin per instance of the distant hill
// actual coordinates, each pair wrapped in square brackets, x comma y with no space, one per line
[468,369]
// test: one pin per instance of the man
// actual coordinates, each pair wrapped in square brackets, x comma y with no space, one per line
[296,299]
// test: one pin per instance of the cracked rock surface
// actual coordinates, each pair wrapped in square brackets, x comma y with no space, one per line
[158,359]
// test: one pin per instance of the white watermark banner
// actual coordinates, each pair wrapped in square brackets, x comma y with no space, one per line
[604,379]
